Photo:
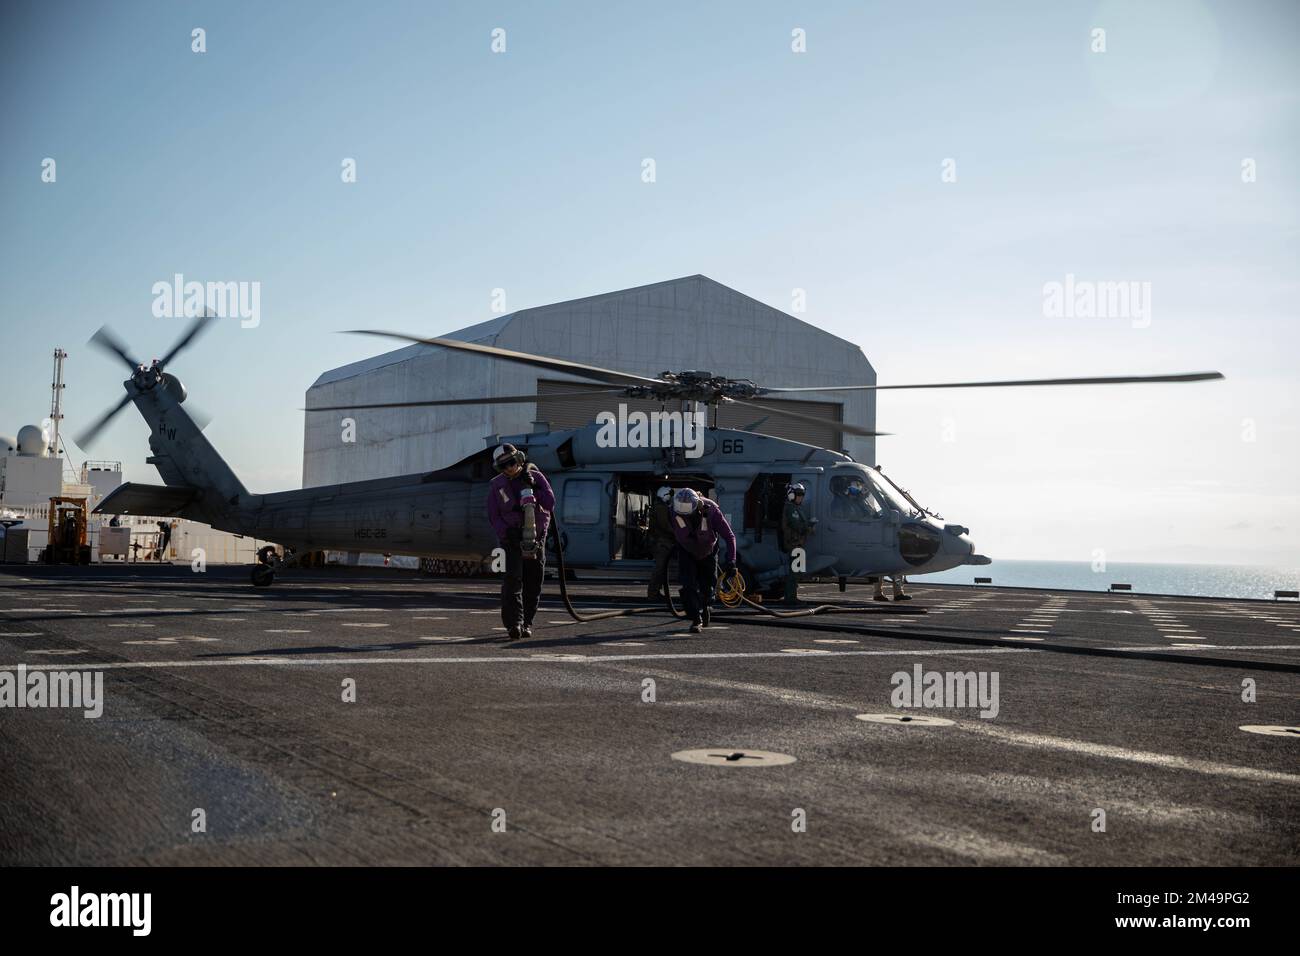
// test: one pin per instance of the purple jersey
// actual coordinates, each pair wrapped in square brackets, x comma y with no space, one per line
[698,533]
[503,503]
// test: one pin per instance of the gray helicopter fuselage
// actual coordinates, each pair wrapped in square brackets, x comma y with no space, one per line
[601,489]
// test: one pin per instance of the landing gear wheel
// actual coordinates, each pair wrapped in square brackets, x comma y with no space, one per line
[264,569]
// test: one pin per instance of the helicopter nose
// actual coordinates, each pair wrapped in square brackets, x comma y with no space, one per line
[956,541]
[959,549]
[928,547]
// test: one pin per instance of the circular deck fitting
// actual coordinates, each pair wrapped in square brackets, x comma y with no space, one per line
[906,720]
[728,757]
[1273,730]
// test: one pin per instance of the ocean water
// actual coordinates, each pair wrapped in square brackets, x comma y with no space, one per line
[1208,580]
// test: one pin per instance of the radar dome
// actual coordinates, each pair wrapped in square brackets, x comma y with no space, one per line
[8,444]
[31,441]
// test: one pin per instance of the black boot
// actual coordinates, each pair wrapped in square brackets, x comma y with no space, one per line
[527,632]
[513,634]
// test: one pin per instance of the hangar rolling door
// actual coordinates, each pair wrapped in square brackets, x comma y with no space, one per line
[576,412]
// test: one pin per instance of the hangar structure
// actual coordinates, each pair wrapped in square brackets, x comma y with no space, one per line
[692,323]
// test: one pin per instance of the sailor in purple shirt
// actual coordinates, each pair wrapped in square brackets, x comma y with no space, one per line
[700,527]
[519,505]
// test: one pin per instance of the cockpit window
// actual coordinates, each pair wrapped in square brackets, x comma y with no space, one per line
[852,499]
[890,494]
[863,495]
[893,495]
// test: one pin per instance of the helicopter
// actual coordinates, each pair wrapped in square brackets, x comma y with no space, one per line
[867,525]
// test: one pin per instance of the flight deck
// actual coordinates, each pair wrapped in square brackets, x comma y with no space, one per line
[378,717]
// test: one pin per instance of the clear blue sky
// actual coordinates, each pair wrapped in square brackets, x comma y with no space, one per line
[775,171]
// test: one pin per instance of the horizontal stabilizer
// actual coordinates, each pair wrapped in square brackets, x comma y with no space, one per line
[134,498]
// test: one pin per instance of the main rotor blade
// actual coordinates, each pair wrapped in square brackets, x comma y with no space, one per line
[86,437]
[105,340]
[1103,380]
[812,419]
[491,400]
[197,327]
[608,376]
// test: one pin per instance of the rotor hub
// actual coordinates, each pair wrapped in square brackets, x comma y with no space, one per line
[696,386]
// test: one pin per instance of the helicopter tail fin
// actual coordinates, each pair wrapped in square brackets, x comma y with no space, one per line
[183,456]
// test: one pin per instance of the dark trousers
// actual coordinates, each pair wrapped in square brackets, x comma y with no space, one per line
[791,579]
[698,576]
[521,588]
[659,576]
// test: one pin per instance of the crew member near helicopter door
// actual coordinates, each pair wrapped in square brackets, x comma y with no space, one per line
[699,525]
[661,540]
[796,526]
[519,505]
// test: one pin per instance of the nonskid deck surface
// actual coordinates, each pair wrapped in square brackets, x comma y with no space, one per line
[228,699]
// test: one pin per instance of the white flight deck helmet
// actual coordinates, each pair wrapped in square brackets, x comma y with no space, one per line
[506,455]
[685,502]
[664,494]
[793,491]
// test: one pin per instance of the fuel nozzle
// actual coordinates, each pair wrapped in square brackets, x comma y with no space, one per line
[528,538]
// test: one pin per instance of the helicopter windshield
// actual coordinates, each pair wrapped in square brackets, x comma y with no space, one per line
[889,494]
[854,498]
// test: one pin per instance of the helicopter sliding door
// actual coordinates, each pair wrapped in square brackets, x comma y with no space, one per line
[585,515]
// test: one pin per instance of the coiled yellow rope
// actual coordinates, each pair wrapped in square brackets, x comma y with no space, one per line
[731,592]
